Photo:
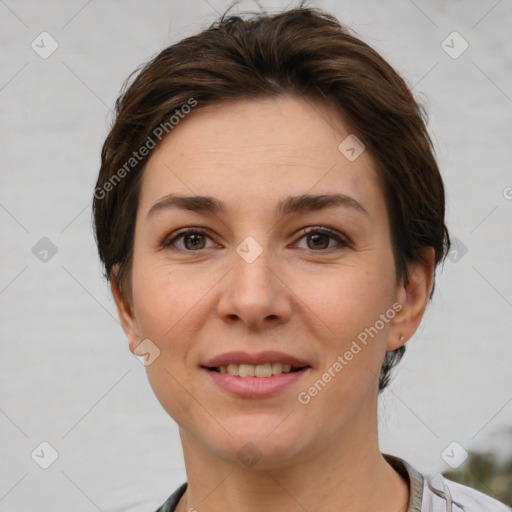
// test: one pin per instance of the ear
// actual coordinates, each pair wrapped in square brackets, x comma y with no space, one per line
[413,297]
[126,315]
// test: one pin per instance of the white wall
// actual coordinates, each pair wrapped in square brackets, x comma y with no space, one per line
[67,376]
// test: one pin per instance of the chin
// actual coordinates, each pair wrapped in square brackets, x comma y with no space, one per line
[260,441]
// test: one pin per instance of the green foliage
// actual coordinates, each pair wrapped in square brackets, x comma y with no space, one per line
[483,472]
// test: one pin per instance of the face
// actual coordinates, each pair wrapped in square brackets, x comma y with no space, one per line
[258,241]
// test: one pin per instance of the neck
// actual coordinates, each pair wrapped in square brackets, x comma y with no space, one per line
[348,470]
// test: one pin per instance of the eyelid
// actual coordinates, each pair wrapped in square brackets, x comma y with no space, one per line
[342,240]
[168,240]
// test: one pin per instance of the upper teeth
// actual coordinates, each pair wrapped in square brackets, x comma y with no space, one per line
[259,370]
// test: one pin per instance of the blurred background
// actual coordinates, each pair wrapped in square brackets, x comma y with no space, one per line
[80,428]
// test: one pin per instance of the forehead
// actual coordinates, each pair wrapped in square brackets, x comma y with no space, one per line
[252,150]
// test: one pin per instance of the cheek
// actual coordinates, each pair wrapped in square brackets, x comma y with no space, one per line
[352,312]
[161,299]
[346,301]
[351,338]
[163,305]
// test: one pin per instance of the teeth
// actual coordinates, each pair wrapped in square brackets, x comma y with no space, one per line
[277,368]
[246,370]
[259,370]
[263,370]
[232,369]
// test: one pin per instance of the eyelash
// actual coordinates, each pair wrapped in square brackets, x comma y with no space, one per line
[167,243]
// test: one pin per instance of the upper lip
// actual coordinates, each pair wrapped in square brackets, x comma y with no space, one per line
[240,357]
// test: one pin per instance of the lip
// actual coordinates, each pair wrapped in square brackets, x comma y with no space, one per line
[255,387]
[240,357]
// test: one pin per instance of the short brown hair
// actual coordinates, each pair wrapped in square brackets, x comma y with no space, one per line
[302,52]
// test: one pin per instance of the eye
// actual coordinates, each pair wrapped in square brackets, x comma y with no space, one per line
[318,239]
[187,240]
[195,239]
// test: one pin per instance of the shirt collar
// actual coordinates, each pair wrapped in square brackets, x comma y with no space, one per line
[414,480]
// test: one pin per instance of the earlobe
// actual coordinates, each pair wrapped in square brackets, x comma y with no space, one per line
[413,297]
[126,314]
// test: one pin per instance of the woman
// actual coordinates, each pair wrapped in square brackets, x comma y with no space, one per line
[270,215]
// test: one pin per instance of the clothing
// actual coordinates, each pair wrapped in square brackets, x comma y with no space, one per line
[437,494]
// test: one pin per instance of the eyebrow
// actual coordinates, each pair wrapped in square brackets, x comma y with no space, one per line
[289,205]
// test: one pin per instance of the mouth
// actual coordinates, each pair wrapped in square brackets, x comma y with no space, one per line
[264,370]
[258,375]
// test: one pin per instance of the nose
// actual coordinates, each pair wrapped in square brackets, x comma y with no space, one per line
[255,293]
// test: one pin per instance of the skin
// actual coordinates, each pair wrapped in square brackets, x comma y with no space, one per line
[295,297]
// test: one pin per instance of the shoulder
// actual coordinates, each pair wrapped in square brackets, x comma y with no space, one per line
[439,494]
[443,494]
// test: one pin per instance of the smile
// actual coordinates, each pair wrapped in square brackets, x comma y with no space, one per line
[260,370]
[255,375]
